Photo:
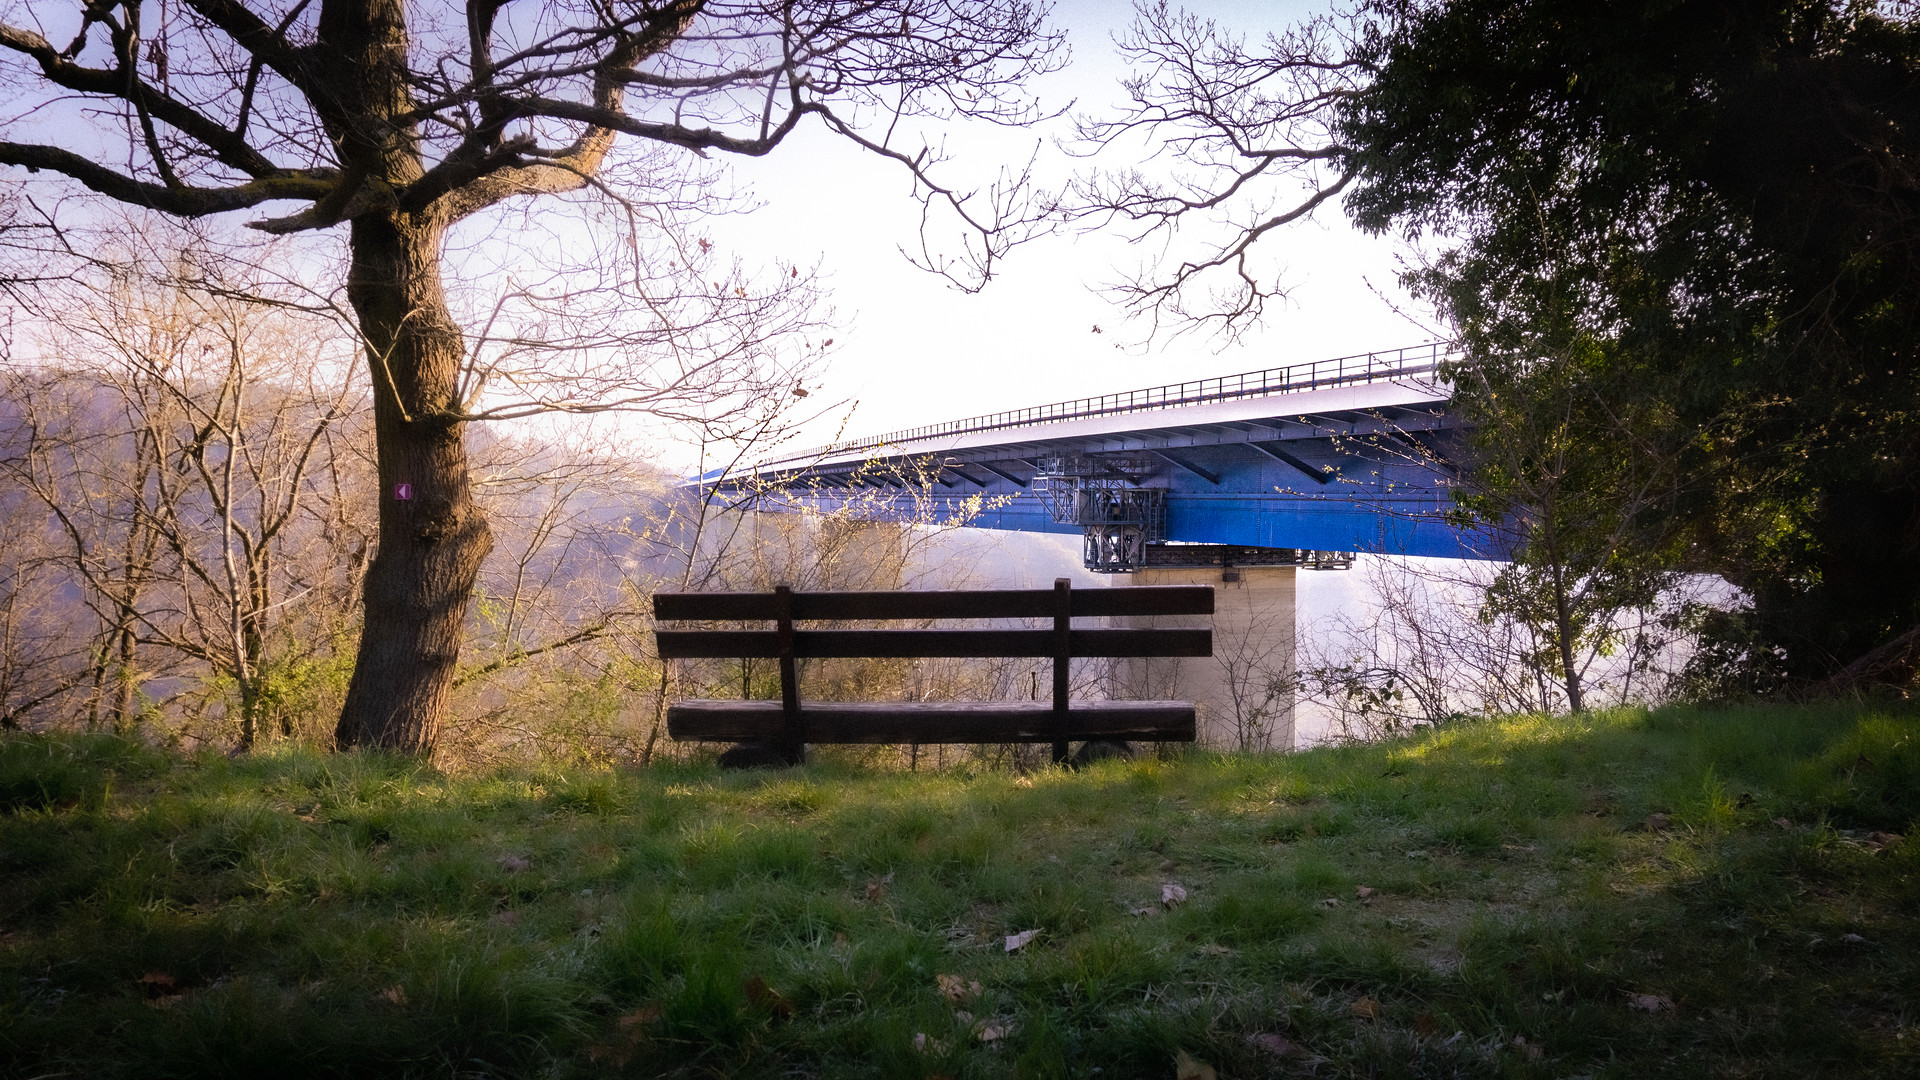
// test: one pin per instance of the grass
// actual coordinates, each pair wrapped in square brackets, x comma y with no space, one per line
[294,915]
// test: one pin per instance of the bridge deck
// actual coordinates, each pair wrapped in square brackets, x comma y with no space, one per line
[1350,454]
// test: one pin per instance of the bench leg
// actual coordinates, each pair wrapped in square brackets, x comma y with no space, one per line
[763,755]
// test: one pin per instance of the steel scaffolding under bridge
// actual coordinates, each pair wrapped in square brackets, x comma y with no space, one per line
[1297,465]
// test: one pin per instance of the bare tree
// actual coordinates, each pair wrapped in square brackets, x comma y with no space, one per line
[1225,142]
[222,430]
[401,122]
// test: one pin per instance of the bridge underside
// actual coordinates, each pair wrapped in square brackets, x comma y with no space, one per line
[1268,474]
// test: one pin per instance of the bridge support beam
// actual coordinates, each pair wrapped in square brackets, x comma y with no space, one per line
[1243,693]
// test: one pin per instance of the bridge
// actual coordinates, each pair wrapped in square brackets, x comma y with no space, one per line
[1297,465]
[1234,482]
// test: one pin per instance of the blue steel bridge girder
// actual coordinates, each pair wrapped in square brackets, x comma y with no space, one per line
[1333,456]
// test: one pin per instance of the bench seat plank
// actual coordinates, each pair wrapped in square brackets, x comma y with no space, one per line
[935,722]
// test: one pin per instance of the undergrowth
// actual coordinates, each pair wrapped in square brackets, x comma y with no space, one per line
[1681,893]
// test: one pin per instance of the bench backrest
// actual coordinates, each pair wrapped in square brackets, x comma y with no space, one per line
[1062,642]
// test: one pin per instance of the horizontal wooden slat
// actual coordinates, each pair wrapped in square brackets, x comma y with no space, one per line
[817,644]
[935,722]
[961,604]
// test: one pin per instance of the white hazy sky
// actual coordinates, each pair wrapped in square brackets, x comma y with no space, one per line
[914,351]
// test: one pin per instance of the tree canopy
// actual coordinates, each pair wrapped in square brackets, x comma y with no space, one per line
[1698,218]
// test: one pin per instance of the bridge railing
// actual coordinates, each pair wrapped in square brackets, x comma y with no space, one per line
[1343,370]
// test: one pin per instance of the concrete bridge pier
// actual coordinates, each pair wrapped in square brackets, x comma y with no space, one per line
[1242,694]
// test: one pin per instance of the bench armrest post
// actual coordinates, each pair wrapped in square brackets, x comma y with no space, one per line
[1062,656]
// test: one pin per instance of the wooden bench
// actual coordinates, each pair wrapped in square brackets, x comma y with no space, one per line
[778,731]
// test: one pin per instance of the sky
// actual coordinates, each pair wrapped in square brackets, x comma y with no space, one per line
[912,350]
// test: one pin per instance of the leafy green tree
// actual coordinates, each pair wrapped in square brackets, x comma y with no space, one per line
[1715,206]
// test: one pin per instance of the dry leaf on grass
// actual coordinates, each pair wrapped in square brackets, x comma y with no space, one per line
[926,1045]
[513,864]
[1022,781]
[1019,941]
[766,997]
[878,888]
[1214,950]
[1658,822]
[1144,909]
[1650,1003]
[1783,823]
[628,1032]
[1185,1068]
[157,982]
[1271,1043]
[1172,895]
[994,1032]
[1329,902]
[638,1018]
[956,989]
[1425,1024]
[1363,892]
[1534,1053]
[396,995]
[1366,1009]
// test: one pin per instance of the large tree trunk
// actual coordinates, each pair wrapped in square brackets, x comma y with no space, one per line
[431,544]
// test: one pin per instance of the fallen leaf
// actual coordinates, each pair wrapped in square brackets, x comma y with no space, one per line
[157,982]
[396,995]
[1214,950]
[994,1032]
[1366,1009]
[1656,958]
[1185,1068]
[1783,823]
[1881,840]
[1020,940]
[956,989]
[1650,1003]
[508,917]
[1271,1043]
[1022,782]
[1329,902]
[766,997]
[1171,894]
[1658,822]
[839,939]
[1425,1024]
[926,1045]
[1363,892]
[1534,1053]
[638,1018]
[1853,939]
[513,864]
[1144,909]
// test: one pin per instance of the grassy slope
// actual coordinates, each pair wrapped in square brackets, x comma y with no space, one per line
[363,916]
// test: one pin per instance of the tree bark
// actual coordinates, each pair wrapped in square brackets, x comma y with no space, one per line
[431,543]
[433,540]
